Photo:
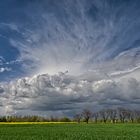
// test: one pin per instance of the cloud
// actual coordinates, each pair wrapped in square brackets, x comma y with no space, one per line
[76,36]
[64,93]
[11,26]
[13,62]
[4,69]
[2,60]
[96,42]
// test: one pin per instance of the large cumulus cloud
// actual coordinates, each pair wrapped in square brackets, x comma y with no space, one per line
[64,93]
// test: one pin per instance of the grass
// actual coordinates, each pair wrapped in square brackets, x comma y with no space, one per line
[69,132]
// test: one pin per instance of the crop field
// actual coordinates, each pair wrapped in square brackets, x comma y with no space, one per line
[69,132]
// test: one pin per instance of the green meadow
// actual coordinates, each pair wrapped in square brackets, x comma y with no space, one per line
[69,132]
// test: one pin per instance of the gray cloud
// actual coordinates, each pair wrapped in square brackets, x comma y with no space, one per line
[64,93]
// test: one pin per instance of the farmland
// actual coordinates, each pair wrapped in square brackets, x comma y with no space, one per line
[69,131]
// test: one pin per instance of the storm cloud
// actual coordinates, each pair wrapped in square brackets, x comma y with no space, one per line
[64,93]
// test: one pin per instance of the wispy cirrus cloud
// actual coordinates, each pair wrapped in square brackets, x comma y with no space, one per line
[76,37]
[11,26]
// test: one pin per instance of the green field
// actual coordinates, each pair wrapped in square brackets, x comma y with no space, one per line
[70,132]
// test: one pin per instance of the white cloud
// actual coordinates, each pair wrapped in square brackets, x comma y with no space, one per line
[72,44]
[3,69]
[64,93]
[2,60]
[77,38]
[11,26]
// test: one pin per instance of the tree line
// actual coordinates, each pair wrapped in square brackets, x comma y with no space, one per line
[119,115]
[34,118]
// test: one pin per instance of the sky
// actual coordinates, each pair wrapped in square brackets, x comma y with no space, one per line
[60,57]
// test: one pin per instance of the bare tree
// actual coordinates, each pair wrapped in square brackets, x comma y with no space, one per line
[104,114]
[137,115]
[123,114]
[112,114]
[87,114]
[78,117]
[96,115]
[131,115]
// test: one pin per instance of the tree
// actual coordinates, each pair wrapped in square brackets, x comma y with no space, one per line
[65,119]
[3,119]
[104,114]
[123,114]
[112,114]
[131,115]
[96,115]
[137,116]
[54,119]
[78,117]
[87,114]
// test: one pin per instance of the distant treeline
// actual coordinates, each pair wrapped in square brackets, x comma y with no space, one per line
[33,119]
[119,115]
